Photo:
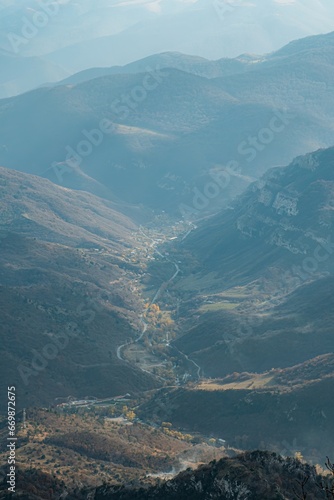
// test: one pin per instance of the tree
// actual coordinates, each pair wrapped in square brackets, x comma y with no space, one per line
[299,456]
[328,485]
[302,483]
[130,415]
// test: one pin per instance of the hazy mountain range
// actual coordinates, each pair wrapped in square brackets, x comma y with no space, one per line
[165,144]
[70,36]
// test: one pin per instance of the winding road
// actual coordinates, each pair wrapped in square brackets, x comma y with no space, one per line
[188,359]
[119,349]
[163,286]
[155,298]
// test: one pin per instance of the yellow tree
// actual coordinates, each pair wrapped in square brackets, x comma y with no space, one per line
[130,415]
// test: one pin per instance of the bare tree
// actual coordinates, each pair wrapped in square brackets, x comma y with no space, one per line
[327,486]
[302,495]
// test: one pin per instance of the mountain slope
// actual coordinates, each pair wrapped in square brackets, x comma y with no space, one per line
[259,292]
[249,476]
[95,448]
[233,334]
[282,218]
[283,410]
[65,297]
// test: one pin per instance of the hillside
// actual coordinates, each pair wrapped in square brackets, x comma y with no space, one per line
[253,334]
[89,446]
[283,410]
[257,282]
[190,64]
[72,217]
[281,219]
[250,476]
[296,52]
[66,299]
[85,451]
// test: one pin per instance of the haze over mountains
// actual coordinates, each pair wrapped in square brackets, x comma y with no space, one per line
[164,143]
[166,234]
[69,36]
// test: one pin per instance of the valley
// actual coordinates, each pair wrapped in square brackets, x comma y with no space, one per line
[170,297]
[166,251]
[250,325]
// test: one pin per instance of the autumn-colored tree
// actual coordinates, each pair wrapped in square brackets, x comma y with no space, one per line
[130,415]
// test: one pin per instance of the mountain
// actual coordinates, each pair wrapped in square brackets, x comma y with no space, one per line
[30,30]
[130,146]
[282,219]
[59,39]
[66,299]
[166,271]
[190,64]
[256,270]
[219,27]
[161,149]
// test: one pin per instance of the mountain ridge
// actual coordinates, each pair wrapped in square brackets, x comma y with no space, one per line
[155,147]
